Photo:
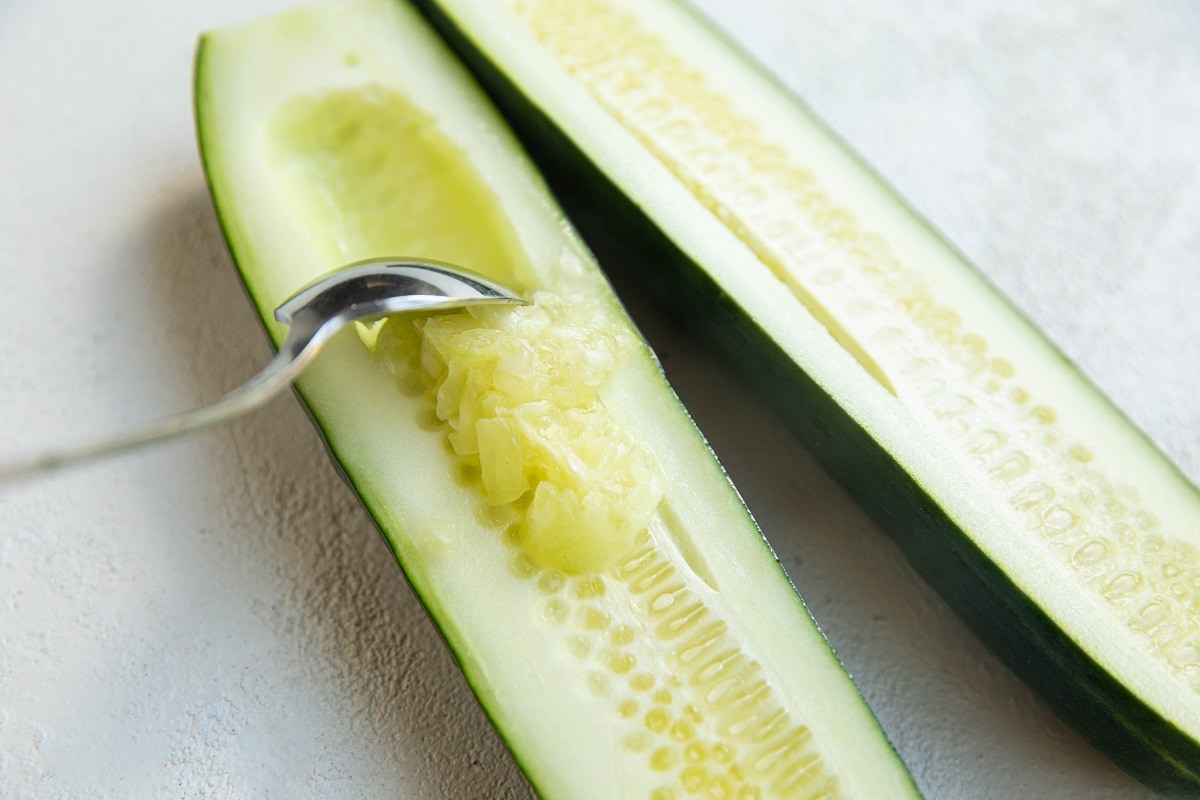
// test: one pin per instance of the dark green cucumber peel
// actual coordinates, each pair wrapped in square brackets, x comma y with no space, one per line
[1102,709]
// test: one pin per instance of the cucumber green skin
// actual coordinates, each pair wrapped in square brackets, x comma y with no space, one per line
[1013,624]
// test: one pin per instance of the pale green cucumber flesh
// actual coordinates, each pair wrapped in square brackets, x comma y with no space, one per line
[588,706]
[1152,733]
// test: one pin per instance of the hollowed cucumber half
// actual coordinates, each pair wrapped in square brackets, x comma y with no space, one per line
[612,604]
[1039,511]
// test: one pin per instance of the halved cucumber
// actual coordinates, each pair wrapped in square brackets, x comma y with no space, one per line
[1067,540]
[608,597]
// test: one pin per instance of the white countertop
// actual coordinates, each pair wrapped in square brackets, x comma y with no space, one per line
[218,618]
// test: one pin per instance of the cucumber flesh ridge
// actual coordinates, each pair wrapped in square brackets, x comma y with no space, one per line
[672,656]
[1058,492]
[520,390]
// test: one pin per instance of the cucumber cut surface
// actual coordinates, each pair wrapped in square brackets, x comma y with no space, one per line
[679,659]
[1037,509]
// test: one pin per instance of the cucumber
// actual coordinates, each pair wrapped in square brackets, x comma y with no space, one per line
[1067,541]
[611,602]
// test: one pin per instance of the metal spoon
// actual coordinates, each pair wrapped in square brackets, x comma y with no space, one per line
[313,315]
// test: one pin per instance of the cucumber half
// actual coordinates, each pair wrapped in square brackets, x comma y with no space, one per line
[1043,516]
[612,604]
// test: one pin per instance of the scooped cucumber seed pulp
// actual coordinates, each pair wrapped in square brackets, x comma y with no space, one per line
[517,390]
[517,394]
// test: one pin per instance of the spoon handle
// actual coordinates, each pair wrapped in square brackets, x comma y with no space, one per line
[364,290]
[298,349]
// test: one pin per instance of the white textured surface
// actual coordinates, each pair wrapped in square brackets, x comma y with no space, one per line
[218,618]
